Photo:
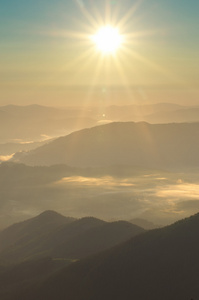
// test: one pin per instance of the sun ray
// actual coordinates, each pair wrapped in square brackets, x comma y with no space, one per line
[94,80]
[98,17]
[85,64]
[107,12]
[76,35]
[104,57]
[85,12]
[123,21]
[115,14]
[124,78]
[144,33]
[153,65]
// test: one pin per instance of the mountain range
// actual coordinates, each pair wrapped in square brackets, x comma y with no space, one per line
[35,123]
[51,234]
[159,146]
[158,264]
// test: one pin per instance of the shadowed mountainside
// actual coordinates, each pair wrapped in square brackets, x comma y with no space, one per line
[147,145]
[159,264]
[20,276]
[32,229]
[51,234]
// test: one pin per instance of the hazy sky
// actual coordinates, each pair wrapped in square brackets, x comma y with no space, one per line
[47,56]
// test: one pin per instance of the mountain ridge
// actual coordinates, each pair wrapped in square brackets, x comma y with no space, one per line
[51,234]
[125,143]
[159,264]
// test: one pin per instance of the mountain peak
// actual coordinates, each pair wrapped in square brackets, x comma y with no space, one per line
[50,216]
[49,213]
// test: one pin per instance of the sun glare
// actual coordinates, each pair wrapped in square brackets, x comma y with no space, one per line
[107,39]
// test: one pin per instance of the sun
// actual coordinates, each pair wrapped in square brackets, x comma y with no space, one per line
[108,39]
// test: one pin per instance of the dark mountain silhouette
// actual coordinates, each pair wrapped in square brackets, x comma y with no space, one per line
[147,145]
[96,239]
[159,264]
[51,234]
[20,276]
[37,228]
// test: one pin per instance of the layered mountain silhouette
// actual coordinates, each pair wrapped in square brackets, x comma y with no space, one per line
[11,148]
[159,264]
[142,144]
[30,233]
[144,223]
[35,122]
[140,112]
[178,116]
[51,234]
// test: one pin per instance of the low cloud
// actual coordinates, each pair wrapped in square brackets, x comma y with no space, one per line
[93,181]
[28,142]
[6,157]
[45,137]
[180,191]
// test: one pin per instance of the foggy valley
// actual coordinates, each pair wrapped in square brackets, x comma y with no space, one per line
[99,150]
[66,198]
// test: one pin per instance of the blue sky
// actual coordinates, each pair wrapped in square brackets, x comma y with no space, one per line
[37,50]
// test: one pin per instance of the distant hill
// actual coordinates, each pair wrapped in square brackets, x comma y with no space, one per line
[10,148]
[51,234]
[177,116]
[143,223]
[159,264]
[3,114]
[139,112]
[142,144]
[36,122]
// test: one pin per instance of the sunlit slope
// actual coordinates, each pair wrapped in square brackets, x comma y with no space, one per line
[160,264]
[141,144]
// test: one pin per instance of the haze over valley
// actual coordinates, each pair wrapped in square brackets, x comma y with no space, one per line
[120,170]
[99,150]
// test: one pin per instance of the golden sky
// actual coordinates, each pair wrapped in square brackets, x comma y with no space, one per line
[47,56]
